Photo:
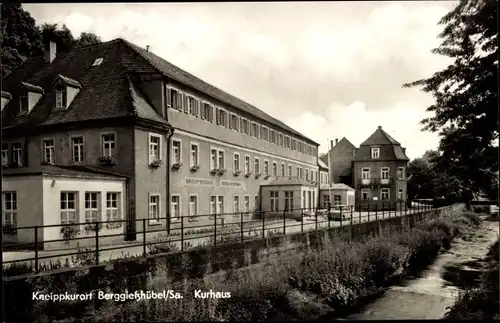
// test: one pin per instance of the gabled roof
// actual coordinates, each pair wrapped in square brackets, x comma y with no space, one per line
[6,95]
[68,81]
[321,164]
[285,181]
[380,137]
[32,88]
[342,142]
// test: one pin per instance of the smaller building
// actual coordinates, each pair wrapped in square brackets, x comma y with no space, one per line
[336,194]
[290,196]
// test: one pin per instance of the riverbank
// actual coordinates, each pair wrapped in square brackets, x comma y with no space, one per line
[481,303]
[324,284]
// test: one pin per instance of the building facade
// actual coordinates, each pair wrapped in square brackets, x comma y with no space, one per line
[174,146]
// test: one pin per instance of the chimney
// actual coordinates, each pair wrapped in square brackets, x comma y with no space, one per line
[50,52]
[404,150]
[331,144]
[379,127]
[336,141]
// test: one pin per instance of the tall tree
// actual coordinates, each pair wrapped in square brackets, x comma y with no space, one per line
[19,37]
[61,36]
[466,95]
[87,39]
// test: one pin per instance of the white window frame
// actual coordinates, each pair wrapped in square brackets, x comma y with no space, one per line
[246,202]
[307,174]
[401,173]
[70,214]
[174,105]
[266,167]
[337,199]
[220,206]
[274,201]
[401,194]
[365,190]
[282,170]
[248,164]
[288,201]
[179,208]
[152,218]
[5,154]
[280,139]
[113,213]
[192,216]
[9,209]
[213,158]
[375,152]
[194,160]
[75,147]
[255,130]
[213,206]
[50,149]
[236,162]
[179,153]
[326,200]
[92,214]
[289,170]
[385,190]
[385,170]
[151,144]
[364,171]
[107,149]
[275,169]
[236,205]
[256,165]
[293,144]
[219,166]
[287,141]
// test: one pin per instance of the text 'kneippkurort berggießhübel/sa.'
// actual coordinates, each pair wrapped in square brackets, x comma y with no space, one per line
[126,296]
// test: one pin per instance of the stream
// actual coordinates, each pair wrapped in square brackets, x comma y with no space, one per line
[436,288]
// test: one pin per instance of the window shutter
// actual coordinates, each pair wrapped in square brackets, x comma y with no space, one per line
[185,102]
[169,97]
[231,123]
[211,110]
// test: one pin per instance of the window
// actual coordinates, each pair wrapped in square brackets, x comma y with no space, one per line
[365,173]
[207,112]
[290,171]
[97,62]
[77,143]
[294,145]
[365,194]
[23,103]
[5,154]
[217,159]
[61,97]
[273,137]
[375,152]
[174,99]
[303,203]
[17,154]
[255,130]
[176,151]
[247,204]
[92,207]
[213,205]
[113,209]
[288,200]
[282,170]
[235,122]
[401,173]
[193,106]
[384,172]
[194,158]
[175,208]
[236,204]
[68,208]
[108,145]
[384,194]
[257,165]
[307,174]
[337,200]
[236,162]
[245,126]
[301,173]
[264,133]
[280,139]
[185,105]
[221,117]
[326,200]
[298,171]
[275,169]
[213,159]
[256,201]
[266,167]
[193,206]
[400,194]
[154,207]
[48,151]
[287,141]
[9,209]
[247,164]
[274,201]
[220,204]
[220,163]
[154,148]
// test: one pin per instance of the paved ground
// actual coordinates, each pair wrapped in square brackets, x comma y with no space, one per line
[253,230]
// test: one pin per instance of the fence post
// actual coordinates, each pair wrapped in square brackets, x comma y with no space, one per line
[376,211]
[316,219]
[383,211]
[341,216]
[36,249]
[284,222]
[352,215]
[263,224]
[302,220]
[400,209]
[182,233]
[359,211]
[241,226]
[215,229]
[368,212]
[97,243]
[144,236]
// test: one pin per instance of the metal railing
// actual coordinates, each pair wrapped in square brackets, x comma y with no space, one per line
[191,231]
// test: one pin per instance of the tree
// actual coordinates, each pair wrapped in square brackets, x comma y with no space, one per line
[62,37]
[466,95]
[88,39]
[19,37]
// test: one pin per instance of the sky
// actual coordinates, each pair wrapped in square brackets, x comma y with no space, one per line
[327,69]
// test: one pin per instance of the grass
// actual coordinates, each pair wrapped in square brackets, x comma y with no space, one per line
[481,303]
[316,285]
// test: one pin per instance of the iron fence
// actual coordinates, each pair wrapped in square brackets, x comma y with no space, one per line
[188,232]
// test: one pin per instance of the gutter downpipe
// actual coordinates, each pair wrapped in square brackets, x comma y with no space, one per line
[169,166]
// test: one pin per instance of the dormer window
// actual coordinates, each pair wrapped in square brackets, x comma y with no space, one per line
[6,97]
[375,152]
[29,95]
[61,97]
[24,107]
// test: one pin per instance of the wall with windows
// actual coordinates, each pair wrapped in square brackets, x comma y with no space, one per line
[208,168]
[395,171]
[65,201]
[197,113]
[276,199]
[22,198]
[336,197]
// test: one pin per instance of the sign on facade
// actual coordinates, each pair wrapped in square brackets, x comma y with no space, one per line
[212,182]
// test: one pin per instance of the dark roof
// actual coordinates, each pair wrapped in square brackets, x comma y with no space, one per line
[68,81]
[289,181]
[6,95]
[32,88]
[322,164]
[65,171]
[190,80]
[346,172]
[380,137]
[105,93]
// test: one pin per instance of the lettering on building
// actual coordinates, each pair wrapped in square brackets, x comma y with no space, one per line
[199,181]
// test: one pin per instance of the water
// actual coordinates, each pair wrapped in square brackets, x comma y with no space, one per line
[427,296]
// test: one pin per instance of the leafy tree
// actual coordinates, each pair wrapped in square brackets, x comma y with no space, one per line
[19,37]
[87,39]
[466,94]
